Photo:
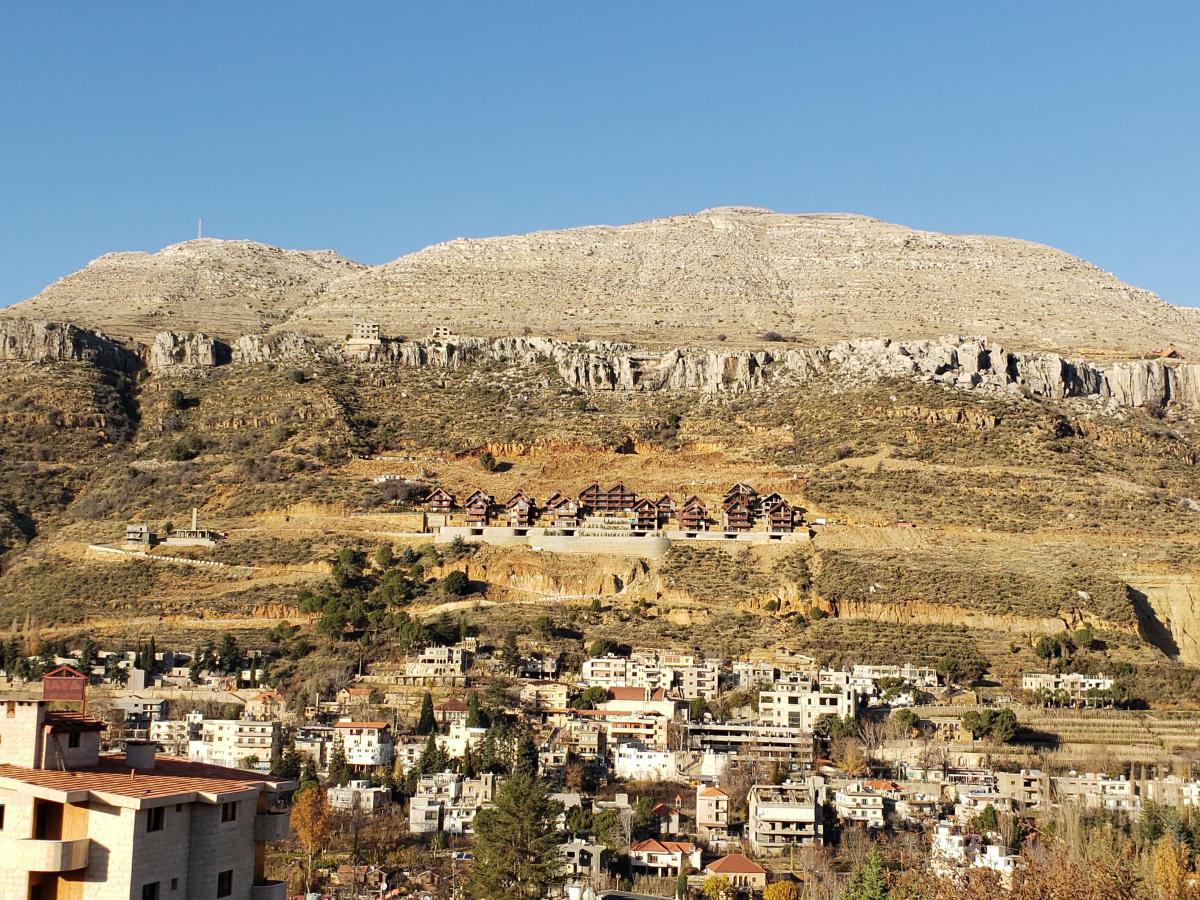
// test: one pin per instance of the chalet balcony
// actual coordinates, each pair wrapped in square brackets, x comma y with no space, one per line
[269,890]
[28,855]
[272,827]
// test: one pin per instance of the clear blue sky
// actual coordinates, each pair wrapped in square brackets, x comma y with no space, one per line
[377,128]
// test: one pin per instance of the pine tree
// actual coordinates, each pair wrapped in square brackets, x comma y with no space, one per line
[525,754]
[869,881]
[516,852]
[476,717]
[469,768]
[426,724]
[433,758]
[339,768]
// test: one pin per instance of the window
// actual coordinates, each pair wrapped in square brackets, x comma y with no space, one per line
[1,816]
[225,883]
[229,811]
[73,739]
[150,891]
[155,817]
[174,884]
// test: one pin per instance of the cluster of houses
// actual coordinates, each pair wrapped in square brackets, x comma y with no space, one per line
[754,784]
[742,509]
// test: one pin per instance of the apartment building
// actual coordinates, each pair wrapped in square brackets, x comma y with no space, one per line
[1073,685]
[712,813]
[446,801]
[80,825]
[859,803]
[783,815]
[919,676]
[799,703]
[234,743]
[366,744]
[752,740]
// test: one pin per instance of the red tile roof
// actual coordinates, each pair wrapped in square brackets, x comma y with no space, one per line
[735,864]
[453,705]
[655,846]
[170,778]
[713,792]
[360,724]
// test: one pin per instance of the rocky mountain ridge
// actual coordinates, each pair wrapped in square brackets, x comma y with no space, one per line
[967,363]
[681,280]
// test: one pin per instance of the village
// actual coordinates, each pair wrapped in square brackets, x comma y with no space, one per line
[672,774]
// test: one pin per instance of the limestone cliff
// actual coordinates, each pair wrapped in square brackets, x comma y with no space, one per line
[24,340]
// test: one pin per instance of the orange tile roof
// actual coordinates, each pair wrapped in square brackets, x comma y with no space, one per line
[713,792]
[655,846]
[360,724]
[170,778]
[735,864]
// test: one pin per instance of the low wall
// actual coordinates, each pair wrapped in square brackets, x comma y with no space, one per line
[646,546]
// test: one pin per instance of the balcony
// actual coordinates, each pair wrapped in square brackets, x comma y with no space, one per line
[28,855]
[272,826]
[269,890]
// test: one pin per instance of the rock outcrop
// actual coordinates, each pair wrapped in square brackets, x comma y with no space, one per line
[172,350]
[26,340]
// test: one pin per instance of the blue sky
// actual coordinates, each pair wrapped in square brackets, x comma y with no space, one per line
[377,128]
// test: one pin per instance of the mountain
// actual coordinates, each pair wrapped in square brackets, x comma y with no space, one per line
[727,274]
[225,287]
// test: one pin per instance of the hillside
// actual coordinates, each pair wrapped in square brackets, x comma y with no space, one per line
[724,274]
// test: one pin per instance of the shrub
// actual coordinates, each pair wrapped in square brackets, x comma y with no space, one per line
[487,461]
[297,376]
[773,336]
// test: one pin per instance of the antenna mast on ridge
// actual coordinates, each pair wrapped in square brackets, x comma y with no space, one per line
[199,229]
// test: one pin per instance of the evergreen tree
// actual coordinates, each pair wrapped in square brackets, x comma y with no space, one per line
[476,717]
[525,754]
[869,881]
[516,845]
[290,764]
[433,758]
[339,768]
[469,768]
[426,724]
[308,776]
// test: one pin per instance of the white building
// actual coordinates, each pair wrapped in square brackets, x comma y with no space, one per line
[799,703]
[358,795]
[858,803]
[1072,684]
[634,762]
[366,744]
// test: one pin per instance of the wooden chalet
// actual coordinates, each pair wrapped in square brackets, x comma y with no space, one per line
[780,516]
[521,511]
[439,501]
[741,489]
[694,515]
[645,515]
[666,509]
[765,503]
[739,513]
[563,511]
[479,508]
[617,498]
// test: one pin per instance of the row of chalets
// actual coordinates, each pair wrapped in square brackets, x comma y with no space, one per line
[742,509]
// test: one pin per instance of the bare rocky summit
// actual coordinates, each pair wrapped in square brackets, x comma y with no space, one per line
[733,272]
[223,287]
